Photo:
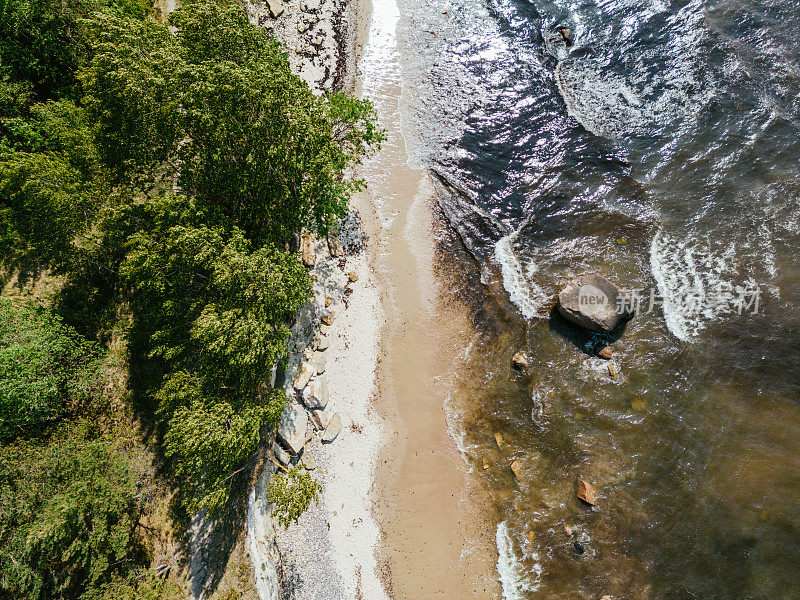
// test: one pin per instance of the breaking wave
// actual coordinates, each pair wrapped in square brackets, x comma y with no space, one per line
[513,576]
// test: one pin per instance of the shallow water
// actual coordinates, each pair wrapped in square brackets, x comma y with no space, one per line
[661,149]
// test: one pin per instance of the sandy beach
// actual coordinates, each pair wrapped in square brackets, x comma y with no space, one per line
[390,522]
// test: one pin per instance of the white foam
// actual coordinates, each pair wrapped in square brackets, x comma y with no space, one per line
[687,267]
[513,576]
[526,295]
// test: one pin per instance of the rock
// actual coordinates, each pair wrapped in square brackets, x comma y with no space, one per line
[499,439]
[578,547]
[310,5]
[328,302]
[303,376]
[308,460]
[307,252]
[275,8]
[612,371]
[323,329]
[485,464]
[334,243]
[639,404]
[318,361]
[320,418]
[328,319]
[531,537]
[293,431]
[316,394]
[568,530]
[303,26]
[566,35]
[607,597]
[352,276]
[603,351]
[281,455]
[322,343]
[516,468]
[332,429]
[520,362]
[586,492]
[595,303]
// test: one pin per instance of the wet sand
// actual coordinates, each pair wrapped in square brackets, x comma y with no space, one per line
[420,478]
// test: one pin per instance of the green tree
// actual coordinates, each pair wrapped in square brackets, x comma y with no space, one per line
[255,144]
[67,511]
[206,442]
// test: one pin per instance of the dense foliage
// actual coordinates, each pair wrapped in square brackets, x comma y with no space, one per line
[160,176]
[46,369]
[291,493]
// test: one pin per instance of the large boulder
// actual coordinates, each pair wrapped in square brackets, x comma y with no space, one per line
[332,429]
[595,303]
[316,393]
[293,431]
[304,375]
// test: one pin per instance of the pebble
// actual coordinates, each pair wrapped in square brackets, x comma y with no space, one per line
[499,439]
[578,547]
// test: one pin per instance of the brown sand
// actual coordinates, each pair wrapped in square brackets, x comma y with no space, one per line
[420,477]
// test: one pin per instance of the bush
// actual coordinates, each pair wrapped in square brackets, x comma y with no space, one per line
[291,493]
[46,369]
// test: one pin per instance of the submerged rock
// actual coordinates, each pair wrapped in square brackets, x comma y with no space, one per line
[586,492]
[293,431]
[499,439]
[603,351]
[520,362]
[516,468]
[595,303]
[332,429]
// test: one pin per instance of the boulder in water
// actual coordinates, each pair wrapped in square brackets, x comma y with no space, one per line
[595,303]
[586,492]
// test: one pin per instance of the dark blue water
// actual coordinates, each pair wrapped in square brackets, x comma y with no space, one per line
[662,150]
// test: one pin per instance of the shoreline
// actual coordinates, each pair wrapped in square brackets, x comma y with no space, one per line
[391,520]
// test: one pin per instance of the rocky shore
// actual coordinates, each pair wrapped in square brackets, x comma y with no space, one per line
[329,427]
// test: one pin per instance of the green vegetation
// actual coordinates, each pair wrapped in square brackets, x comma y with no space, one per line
[292,492]
[160,178]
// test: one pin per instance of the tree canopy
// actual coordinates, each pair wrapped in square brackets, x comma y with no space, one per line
[161,170]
